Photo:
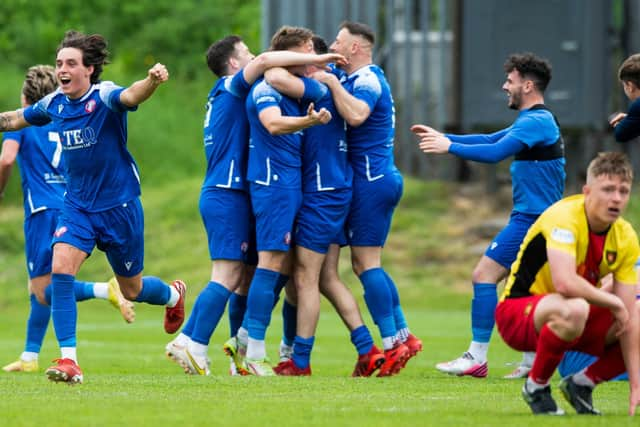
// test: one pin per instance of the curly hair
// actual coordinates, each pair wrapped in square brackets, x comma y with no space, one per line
[93,47]
[39,81]
[530,67]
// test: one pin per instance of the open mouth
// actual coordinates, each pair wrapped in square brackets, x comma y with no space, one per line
[64,81]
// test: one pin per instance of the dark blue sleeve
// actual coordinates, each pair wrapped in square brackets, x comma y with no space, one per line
[488,153]
[475,139]
[629,127]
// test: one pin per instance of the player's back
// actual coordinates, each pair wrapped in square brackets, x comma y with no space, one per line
[41,167]
[226,134]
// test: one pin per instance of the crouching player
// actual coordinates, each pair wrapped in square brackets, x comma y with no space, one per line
[553,303]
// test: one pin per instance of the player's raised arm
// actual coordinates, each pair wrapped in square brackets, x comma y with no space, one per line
[13,120]
[286,58]
[141,90]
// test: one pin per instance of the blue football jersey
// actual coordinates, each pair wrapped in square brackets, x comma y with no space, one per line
[537,184]
[100,171]
[226,134]
[371,143]
[274,160]
[41,167]
[325,163]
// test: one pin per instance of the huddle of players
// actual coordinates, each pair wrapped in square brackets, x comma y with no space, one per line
[298,161]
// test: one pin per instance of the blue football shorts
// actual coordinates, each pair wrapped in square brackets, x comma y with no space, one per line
[229,224]
[372,207]
[118,232]
[38,232]
[275,210]
[321,219]
[505,246]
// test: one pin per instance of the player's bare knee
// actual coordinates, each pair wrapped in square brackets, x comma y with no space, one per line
[40,296]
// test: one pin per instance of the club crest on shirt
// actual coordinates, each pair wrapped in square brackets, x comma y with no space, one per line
[244,247]
[90,106]
[611,257]
[287,238]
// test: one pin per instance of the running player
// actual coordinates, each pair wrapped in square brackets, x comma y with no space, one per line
[38,152]
[101,205]
[538,178]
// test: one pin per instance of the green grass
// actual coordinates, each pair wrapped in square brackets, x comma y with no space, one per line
[128,381]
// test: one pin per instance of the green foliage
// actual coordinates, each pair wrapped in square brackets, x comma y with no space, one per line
[139,32]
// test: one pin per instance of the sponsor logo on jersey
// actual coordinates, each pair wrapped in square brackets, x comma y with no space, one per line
[60,231]
[562,235]
[90,106]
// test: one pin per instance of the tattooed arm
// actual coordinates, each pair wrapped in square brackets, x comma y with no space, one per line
[12,120]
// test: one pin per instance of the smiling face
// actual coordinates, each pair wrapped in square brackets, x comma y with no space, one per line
[74,78]
[514,86]
[606,197]
[343,44]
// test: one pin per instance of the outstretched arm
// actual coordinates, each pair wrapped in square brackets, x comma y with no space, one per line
[286,58]
[8,156]
[141,90]
[434,142]
[277,124]
[13,120]
[285,82]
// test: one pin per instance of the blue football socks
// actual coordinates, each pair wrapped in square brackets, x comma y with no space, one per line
[483,307]
[378,299]
[64,311]
[237,309]
[212,302]
[154,291]
[36,325]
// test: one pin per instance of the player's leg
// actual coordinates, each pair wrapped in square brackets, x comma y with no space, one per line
[370,358]
[122,240]
[306,277]
[609,363]
[275,210]
[473,362]
[67,260]
[522,323]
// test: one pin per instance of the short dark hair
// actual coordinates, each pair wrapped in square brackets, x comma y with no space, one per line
[219,53]
[93,47]
[530,67]
[359,29]
[630,70]
[611,164]
[39,81]
[319,45]
[287,37]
